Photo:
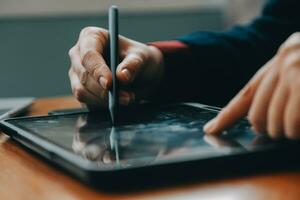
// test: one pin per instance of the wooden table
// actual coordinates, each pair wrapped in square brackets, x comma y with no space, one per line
[24,176]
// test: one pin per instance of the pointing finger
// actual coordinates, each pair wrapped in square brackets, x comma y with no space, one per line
[237,108]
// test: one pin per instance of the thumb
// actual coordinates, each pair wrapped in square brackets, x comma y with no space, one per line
[129,68]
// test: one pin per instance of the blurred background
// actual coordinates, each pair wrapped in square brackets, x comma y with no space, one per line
[35,35]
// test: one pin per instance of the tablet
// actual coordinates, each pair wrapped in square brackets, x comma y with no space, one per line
[12,107]
[150,143]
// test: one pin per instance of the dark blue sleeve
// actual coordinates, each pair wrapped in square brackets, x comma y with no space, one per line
[218,64]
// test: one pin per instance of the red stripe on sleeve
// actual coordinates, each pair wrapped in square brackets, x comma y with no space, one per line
[169,47]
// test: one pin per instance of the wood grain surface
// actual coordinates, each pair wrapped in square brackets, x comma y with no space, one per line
[24,176]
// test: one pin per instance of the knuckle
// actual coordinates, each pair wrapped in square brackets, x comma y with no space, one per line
[70,72]
[291,44]
[295,36]
[88,59]
[133,63]
[87,30]
[101,67]
[143,53]
[96,31]
[137,60]
[101,33]
[87,56]
[71,51]
[292,60]
[287,72]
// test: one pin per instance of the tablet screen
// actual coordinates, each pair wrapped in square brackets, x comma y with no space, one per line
[143,136]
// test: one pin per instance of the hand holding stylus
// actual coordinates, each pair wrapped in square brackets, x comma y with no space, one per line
[139,72]
[270,99]
[113,96]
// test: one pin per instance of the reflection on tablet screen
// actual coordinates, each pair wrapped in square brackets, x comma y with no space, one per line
[142,137]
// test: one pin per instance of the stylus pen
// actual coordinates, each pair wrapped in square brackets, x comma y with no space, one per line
[114,145]
[113,98]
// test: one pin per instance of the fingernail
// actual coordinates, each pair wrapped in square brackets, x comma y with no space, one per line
[124,100]
[127,74]
[103,82]
[209,126]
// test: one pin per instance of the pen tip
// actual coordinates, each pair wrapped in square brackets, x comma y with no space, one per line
[113,122]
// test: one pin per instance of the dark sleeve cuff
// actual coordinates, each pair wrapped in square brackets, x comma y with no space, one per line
[174,55]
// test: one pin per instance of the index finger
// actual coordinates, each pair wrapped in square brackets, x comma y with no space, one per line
[237,108]
[92,43]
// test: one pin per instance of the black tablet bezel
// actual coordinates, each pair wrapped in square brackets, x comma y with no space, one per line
[89,172]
